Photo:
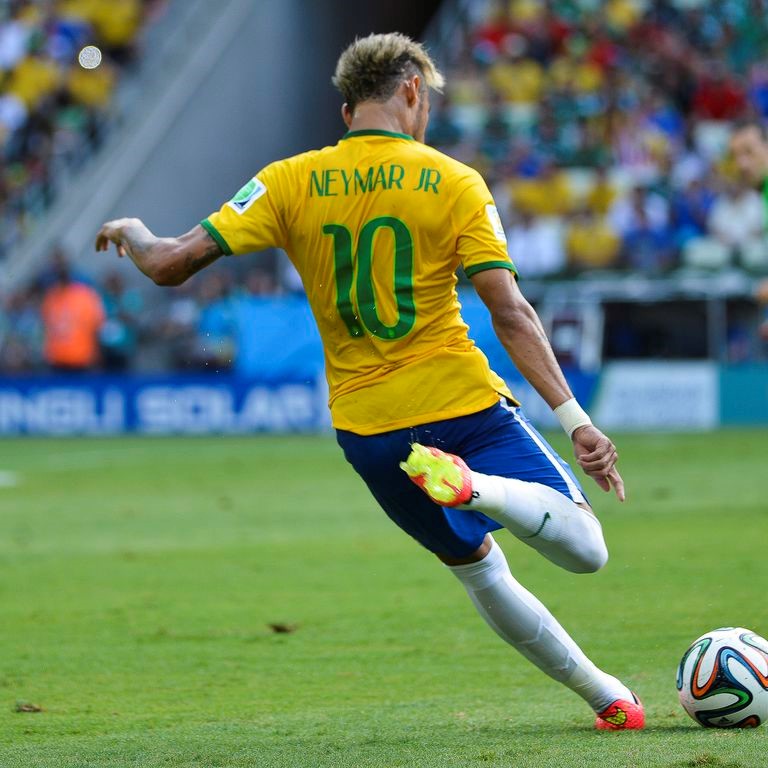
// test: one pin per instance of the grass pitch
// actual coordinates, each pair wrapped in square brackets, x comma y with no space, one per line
[139,577]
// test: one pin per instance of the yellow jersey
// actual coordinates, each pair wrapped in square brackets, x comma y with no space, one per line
[377,226]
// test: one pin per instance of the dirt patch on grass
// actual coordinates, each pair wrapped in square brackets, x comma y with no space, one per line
[706,760]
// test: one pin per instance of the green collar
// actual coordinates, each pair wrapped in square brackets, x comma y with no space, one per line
[375,132]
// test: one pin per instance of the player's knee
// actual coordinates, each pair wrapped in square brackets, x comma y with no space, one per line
[591,557]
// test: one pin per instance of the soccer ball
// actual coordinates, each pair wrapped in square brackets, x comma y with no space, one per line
[722,679]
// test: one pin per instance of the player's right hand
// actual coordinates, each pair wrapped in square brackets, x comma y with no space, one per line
[112,232]
[597,456]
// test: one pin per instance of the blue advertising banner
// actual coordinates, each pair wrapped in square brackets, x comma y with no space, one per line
[744,394]
[102,405]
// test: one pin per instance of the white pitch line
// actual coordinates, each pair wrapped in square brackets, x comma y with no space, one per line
[9,479]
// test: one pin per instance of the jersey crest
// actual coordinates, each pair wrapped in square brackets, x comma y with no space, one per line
[246,197]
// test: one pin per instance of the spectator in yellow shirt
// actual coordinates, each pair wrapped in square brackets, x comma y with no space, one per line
[603,193]
[33,79]
[91,87]
[574,70]
[621,14]
[590,242]
[550,194]
[517,78]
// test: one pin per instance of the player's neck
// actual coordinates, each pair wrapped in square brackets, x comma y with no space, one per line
[377,117]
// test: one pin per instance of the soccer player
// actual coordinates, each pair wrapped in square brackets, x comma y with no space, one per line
[749,148]
[377,226]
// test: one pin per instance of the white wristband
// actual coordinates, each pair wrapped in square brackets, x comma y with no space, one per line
[572,416]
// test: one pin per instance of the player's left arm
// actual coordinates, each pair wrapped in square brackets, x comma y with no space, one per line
[166,260]
[520,331]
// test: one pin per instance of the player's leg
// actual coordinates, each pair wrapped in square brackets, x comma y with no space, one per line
[564,531]
[524,622]
[459,538]
[517,479]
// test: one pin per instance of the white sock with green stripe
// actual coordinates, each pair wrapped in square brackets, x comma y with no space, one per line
[544,519]
[522,621]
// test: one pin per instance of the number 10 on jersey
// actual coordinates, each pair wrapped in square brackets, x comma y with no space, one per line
[366,317]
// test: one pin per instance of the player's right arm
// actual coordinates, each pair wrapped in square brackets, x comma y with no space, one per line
[482,250]
[520,331]
[166,260]
[251,221]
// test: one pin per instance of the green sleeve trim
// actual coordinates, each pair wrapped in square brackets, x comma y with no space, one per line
[473,270]
[765,190]
[216,235]
[376,132]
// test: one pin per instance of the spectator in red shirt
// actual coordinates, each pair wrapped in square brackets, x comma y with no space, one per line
[718,96]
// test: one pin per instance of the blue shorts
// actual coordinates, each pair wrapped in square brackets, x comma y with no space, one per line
[497,441]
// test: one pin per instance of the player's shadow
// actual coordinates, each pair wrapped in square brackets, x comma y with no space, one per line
[670,728]
[542,731]
[661,728]
[565,729]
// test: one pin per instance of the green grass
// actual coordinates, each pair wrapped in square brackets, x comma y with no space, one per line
[138,579]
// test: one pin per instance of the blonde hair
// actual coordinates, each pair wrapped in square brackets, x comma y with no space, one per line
[372,67]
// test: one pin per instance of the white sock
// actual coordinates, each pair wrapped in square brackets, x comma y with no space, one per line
[544,519]
[523,621]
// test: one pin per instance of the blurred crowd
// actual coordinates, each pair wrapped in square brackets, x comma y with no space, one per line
[66,322]
[602,129]
[53,111]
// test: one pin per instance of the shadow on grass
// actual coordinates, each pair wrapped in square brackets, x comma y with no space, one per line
[564,730]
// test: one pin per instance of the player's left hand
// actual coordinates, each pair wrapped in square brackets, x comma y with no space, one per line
[597,456]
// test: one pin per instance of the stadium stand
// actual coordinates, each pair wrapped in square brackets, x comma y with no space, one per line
[54,112]
[611,126]
[602,129]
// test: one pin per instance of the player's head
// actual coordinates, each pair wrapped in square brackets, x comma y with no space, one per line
[389,70]
[749,147]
